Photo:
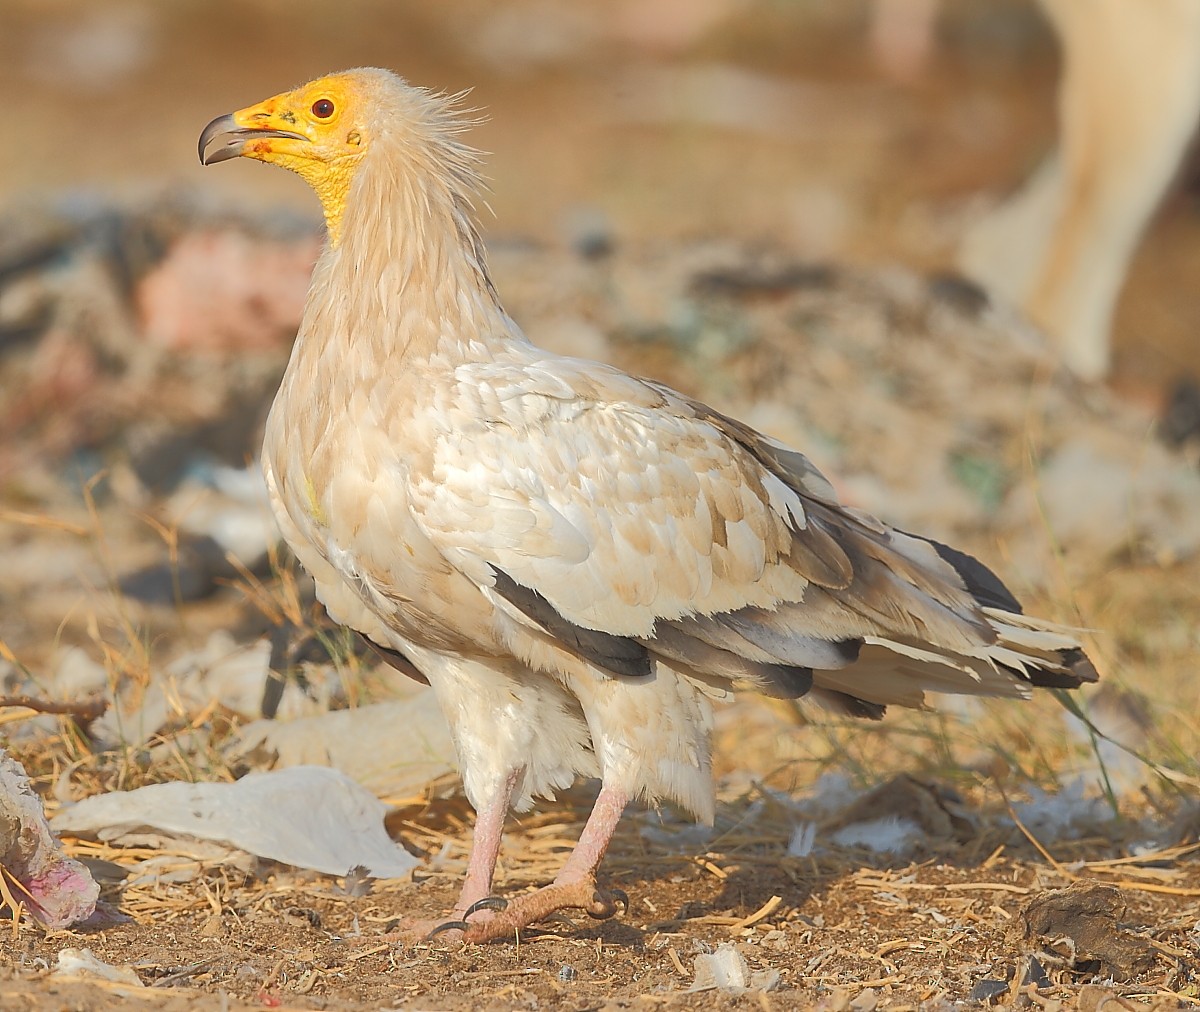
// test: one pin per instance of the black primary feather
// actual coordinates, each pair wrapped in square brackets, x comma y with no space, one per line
[982,584]
[616,654]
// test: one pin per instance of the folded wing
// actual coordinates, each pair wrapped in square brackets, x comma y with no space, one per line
[634,525]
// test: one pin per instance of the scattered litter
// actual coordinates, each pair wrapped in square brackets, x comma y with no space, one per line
[1072,810]
[57,890]
[82,963]
[363,743]
[134,718]
[832,792]
[307,816]
[865,1001]
[889,834]
[1123,719]
[231,507]
[76,675]
[988,990]
[727,970]
[804,836]
[224,672]
[765,980]
[1092,493]
[723,970]
[900,816]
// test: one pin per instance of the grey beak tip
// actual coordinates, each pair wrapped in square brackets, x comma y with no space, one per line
[228,140]
[219,126]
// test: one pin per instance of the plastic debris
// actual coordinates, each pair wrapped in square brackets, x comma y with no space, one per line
[723,970]
[890,834]
[83,963]
[900,816]
[308,817]
[988,989]
[865,1001]
[364,743]
[727,970]
[223,671]
[1071,811]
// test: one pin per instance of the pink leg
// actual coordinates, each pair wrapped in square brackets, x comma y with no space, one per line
[596,836]
[481,865]
[485,848]
[573,887]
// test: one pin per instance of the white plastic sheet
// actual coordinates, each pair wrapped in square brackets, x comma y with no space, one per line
[307,816]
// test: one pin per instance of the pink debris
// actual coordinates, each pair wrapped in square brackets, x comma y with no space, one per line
[222,290]
[57,890]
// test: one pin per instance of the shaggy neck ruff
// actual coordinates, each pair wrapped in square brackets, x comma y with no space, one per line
[404,268]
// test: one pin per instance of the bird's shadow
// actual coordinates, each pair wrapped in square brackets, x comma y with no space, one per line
[742,864]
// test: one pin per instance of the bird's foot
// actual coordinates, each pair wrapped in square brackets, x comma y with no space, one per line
[459,923]
[492,917]
[415,930]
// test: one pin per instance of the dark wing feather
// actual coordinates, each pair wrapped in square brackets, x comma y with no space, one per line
[984,585]
[619,655]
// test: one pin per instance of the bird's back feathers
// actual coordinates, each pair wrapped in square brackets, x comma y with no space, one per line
[630,523]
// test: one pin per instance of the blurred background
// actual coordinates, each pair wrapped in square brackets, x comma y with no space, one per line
[855,131]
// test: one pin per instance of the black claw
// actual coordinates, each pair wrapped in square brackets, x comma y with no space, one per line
[606,904]
[448,926]
[496,903]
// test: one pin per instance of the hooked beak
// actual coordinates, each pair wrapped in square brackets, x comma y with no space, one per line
[226,138]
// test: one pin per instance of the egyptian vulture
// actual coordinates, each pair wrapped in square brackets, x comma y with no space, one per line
[577,560]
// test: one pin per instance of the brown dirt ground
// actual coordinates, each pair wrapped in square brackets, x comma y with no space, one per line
[833,927]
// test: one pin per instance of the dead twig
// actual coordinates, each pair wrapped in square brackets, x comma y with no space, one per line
[84,711]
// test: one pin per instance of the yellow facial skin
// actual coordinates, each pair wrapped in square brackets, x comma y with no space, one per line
[311,131]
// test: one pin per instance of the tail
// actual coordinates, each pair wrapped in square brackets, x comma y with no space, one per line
[1025,653]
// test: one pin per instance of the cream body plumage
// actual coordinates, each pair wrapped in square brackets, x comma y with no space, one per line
[577,560]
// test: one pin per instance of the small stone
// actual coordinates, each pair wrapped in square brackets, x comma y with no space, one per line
[865,1001]
[567,973]
[988,990]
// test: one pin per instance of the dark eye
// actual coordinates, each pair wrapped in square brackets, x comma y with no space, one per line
[322,108]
